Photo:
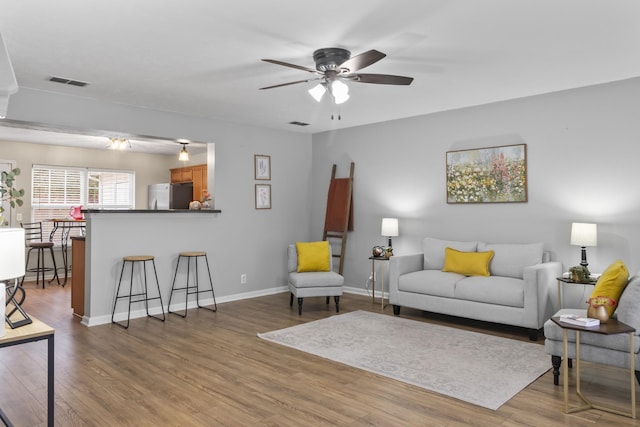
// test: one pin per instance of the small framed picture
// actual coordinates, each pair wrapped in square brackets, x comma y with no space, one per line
[263,196]
[262,165]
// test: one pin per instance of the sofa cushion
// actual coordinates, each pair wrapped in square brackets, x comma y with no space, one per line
[313,256]
[510,259]
[467,263]
[628,311]
[611,284]
[492,290]
[434,251]
[429,282]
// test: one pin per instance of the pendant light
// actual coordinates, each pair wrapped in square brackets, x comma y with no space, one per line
[184,154]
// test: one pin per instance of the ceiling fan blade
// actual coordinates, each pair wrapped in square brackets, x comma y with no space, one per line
[382,79]
[290,83]
[363,60]
[286,64]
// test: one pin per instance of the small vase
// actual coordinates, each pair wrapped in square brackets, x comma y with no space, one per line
[598,312]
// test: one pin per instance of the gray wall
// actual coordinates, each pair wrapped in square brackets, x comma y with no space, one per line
[582,166]
[582,154]
[241,240]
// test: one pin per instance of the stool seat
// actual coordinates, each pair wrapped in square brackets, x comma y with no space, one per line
[137,258]
[40,244]
[138,296]
[195,288]
[192,254]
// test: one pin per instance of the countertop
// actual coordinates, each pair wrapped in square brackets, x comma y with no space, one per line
[190,211]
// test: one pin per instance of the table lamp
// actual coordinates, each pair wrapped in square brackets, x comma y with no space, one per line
[583,235]
[389,228]
[11,263]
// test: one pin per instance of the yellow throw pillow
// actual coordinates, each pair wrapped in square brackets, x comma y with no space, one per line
[313,256]
[467,263]
[611,284]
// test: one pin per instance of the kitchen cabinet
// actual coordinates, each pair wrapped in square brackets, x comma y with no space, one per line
[196,174]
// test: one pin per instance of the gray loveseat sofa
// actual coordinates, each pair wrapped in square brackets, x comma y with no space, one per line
[518,291]
[606,349]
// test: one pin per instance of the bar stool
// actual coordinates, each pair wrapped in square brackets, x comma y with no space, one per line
[142,296]
[195,289]
[34,240]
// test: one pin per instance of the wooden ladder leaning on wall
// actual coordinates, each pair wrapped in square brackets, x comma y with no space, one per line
[339,217]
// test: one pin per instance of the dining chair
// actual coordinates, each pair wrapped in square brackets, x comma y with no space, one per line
[34,240]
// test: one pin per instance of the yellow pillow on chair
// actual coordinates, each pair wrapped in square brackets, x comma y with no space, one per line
[611,283]
[467,263]
[313,256]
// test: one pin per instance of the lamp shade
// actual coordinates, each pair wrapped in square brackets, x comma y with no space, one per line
[584,234]
[389,227]
[11,253]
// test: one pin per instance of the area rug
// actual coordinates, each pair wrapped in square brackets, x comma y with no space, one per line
[477,368]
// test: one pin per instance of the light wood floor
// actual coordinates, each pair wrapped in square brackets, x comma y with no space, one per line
[210,369]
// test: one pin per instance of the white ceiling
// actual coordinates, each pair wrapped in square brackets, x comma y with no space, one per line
[203,57]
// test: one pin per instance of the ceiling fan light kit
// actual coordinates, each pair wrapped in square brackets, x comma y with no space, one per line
[334,66]
[317,92]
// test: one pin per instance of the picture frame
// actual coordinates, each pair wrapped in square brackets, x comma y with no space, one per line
[262,167]
[263,196]
[487,175]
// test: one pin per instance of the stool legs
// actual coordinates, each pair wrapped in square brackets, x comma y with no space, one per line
[40,268]
[195,289]
[140,296]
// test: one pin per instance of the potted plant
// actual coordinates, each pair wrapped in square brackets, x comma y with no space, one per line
[388,252]
[579,274]
[9,193]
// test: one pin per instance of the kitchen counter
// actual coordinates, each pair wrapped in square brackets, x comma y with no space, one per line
[97,211]
[163,234]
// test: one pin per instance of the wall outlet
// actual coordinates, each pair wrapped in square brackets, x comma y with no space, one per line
[243,279]
[18,217]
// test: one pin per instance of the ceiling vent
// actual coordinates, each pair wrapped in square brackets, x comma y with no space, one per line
[296,123]
[67,81]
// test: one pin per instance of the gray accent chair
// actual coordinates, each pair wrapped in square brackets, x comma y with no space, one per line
[606,349]
[313,284]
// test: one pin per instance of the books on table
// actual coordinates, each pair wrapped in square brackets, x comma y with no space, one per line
[574,319]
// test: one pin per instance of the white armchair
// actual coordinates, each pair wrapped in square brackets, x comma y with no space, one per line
[313,283]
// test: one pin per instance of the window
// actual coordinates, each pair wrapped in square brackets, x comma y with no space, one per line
[56,189]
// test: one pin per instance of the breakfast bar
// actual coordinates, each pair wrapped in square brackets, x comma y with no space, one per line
[114,234]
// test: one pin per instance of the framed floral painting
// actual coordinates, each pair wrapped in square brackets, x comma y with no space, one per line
[487,175]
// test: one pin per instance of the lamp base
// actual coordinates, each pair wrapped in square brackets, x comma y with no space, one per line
[583,262]
[15,297]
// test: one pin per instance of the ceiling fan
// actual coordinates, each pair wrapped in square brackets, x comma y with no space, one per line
[334,66]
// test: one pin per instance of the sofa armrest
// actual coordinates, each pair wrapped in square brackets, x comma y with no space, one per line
[540,295]
[402,264]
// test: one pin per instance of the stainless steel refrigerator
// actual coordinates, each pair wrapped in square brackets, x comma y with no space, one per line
[170,196]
